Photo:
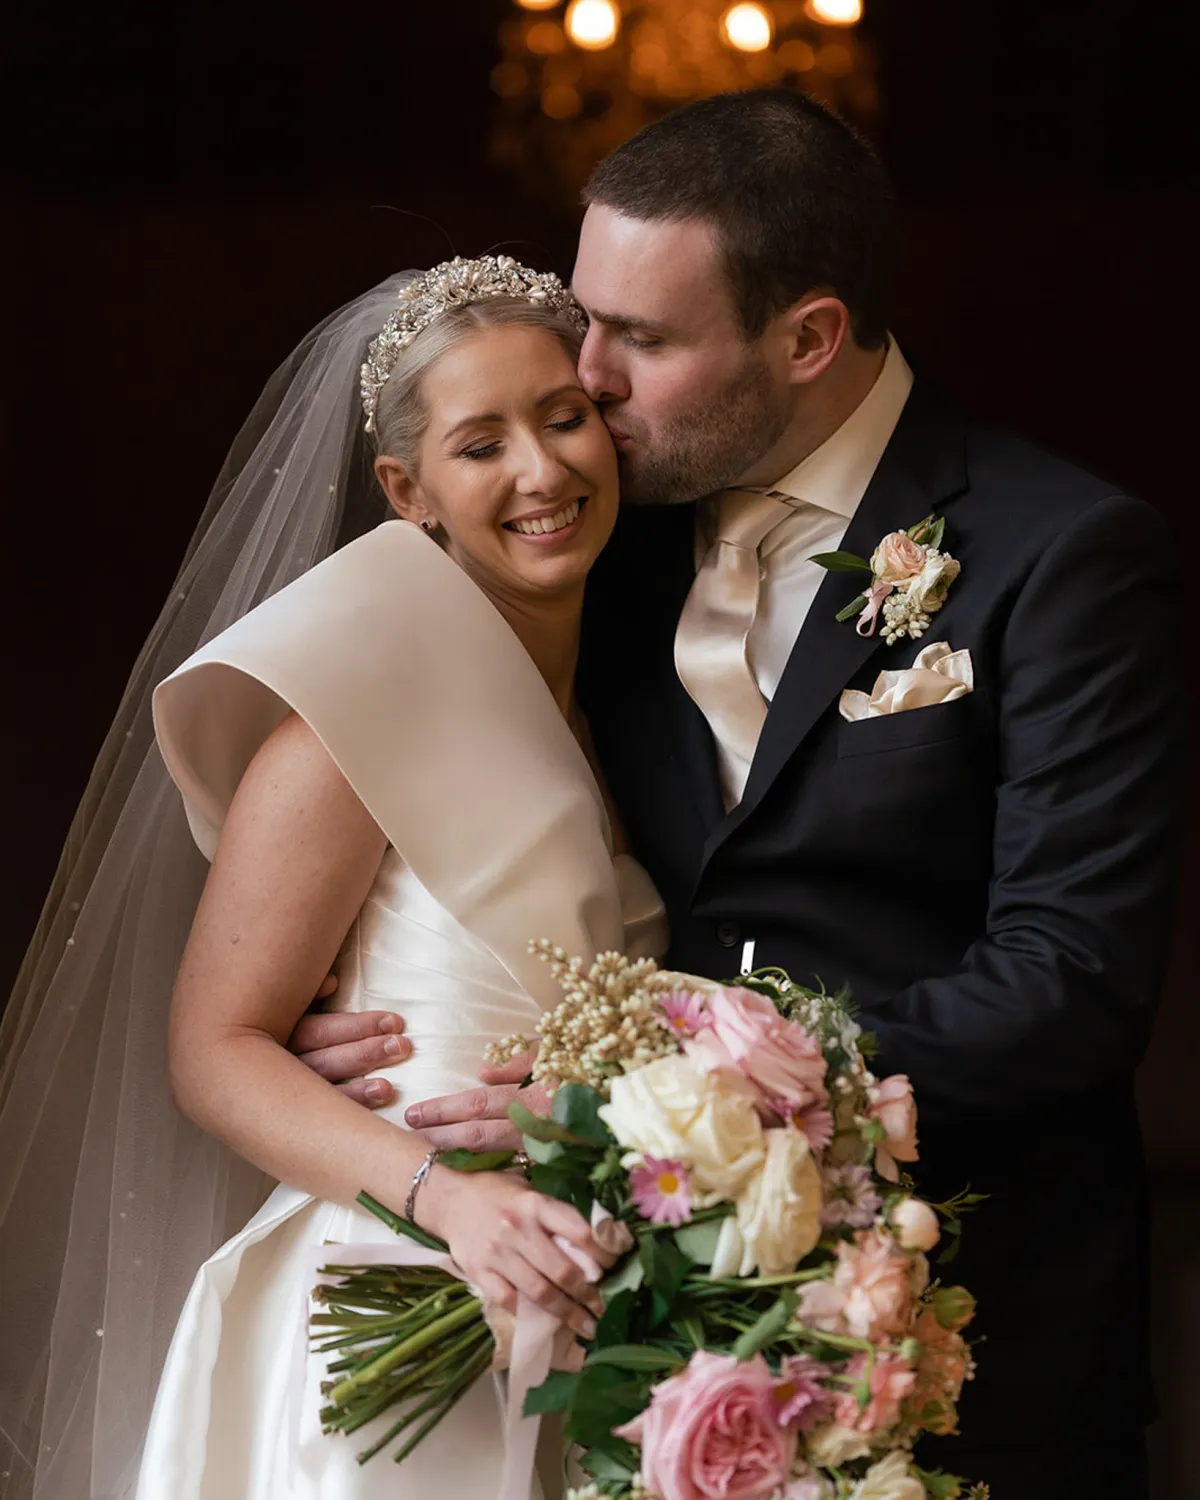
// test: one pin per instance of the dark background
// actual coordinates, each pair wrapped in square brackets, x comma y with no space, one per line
[189,189]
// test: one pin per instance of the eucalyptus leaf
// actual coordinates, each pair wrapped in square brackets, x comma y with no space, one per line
[628,1277]
[841,562]
[699,1241]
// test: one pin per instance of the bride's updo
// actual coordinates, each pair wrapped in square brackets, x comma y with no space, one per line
[401,415]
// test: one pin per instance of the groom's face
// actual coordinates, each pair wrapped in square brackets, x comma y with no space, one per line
[690,402]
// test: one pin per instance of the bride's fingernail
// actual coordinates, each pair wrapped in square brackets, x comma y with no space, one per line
[588,1328]
[389,1023]
[395,1046]
[378,1090]
[412,1116]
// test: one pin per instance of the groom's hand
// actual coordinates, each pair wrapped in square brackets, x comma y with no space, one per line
[478,1119]
[343,1046]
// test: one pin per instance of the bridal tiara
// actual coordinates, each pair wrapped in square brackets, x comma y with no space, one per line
[455,283]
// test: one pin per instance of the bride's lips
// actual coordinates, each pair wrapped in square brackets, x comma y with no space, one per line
[550,538]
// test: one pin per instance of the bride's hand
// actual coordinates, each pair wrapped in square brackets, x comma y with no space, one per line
[501,1235]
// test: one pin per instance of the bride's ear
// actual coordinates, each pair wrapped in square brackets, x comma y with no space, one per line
[402,491]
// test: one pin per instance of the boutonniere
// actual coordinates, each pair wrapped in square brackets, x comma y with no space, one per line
[910,575]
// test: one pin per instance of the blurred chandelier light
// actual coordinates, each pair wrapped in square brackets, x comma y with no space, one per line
[836,12]
[747,27]
[592,24]
[577,77]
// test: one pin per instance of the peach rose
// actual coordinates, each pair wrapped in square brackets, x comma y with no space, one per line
[915,1224]
[893,1107]
[870,1295]
[897,558]
[891,1380]
[943,1365]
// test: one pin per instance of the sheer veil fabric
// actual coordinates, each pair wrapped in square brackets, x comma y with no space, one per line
[110,1200]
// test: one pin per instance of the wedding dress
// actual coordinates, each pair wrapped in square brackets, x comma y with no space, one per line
[497,835]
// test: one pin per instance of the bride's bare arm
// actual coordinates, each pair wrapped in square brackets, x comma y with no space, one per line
[297,856]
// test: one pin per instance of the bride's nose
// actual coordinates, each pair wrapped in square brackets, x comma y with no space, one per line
[537,469]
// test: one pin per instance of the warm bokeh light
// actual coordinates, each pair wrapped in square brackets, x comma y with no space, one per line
[545,38]
[836,60]
[798,56]
[561,102]
[592,24]
[747,27]
[538,4]
[836,12]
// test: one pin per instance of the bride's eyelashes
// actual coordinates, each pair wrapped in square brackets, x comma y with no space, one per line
[486,450]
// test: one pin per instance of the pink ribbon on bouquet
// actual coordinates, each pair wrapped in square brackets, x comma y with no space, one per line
[540,1343]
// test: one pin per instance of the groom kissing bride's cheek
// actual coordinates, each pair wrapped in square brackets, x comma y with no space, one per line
[942,765]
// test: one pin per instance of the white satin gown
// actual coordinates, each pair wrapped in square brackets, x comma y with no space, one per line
[498,835]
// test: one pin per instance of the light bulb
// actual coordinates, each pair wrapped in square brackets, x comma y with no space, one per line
[537,4]
[593,24]
[747,27]
[836,12]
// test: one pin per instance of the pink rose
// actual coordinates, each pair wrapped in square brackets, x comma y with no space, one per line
[893,1107]
[897,558]
[746,1033]
[870,1295]
[710,1432]
[889,1383]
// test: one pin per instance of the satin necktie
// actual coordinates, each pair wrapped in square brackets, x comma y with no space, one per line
[714,627]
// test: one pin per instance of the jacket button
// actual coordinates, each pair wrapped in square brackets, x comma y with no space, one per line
[729,934]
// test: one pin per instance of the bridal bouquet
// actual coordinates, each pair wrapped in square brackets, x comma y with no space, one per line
[772,1331]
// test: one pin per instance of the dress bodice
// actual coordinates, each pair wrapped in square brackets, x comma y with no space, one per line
[407,953]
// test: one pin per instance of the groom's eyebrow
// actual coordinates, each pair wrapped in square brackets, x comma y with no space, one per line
[624,322]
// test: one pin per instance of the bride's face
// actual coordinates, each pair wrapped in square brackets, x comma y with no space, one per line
[515,466]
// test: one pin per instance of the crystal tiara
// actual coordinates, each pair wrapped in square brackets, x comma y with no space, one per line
[455,283]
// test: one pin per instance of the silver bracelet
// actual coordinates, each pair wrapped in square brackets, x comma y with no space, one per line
[419,1177]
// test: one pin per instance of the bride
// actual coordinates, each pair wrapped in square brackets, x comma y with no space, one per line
[388,746]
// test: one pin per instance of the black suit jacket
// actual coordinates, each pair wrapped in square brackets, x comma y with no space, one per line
[994,876]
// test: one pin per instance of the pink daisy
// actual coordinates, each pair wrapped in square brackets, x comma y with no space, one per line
[815,1120]
[685,1012]
[801,1400]
[849,1198]
[662,1191]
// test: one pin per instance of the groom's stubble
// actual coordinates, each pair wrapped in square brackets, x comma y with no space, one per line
[707,446]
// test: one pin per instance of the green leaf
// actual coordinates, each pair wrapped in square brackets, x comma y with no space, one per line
[547,1153]
[605,1398]
[607,1168]
[914,532]
[539,1128]
[618,1461]
[767,1329]
[577,1107]
[628,1277]
[475,1161]
[855,607]
[841,562]
[938,1484]
[934,539]
[556,1393]
[699,1241]
[613,1327]
[693,1330]
[634,1357]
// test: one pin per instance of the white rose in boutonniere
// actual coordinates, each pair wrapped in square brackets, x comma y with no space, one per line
[910,577]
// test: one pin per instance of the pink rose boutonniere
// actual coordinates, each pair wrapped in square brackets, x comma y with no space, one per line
[910,578]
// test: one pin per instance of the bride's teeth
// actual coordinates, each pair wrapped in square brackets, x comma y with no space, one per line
[565,517]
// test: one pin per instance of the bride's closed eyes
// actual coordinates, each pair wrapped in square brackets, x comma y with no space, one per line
[563,424]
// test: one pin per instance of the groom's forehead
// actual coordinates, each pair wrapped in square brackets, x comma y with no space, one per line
[640,271]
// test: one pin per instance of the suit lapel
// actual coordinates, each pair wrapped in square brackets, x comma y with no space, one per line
[922,469]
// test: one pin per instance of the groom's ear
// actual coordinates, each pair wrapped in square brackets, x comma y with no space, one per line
[814,331]
[402,491]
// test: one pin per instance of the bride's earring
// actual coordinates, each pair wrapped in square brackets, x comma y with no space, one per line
[428,526]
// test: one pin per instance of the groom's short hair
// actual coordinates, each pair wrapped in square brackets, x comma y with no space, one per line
[798,198]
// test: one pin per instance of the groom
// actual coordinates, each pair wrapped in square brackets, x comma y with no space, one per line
[990,869]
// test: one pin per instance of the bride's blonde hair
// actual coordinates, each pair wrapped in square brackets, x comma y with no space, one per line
[402,415]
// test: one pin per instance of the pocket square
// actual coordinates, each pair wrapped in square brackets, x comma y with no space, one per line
[938,675]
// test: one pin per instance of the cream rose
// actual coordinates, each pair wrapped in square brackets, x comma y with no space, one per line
[928,590]
[889,1479]
[779,1211]
[672,1109]
[915,1224]
[830,1445]
[897,558]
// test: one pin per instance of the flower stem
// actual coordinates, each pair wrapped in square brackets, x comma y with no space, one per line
[465,1312]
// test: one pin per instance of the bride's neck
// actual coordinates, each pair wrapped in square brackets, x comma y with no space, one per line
[549,631]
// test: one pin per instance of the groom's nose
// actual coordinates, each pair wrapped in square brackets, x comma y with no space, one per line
[601,372]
